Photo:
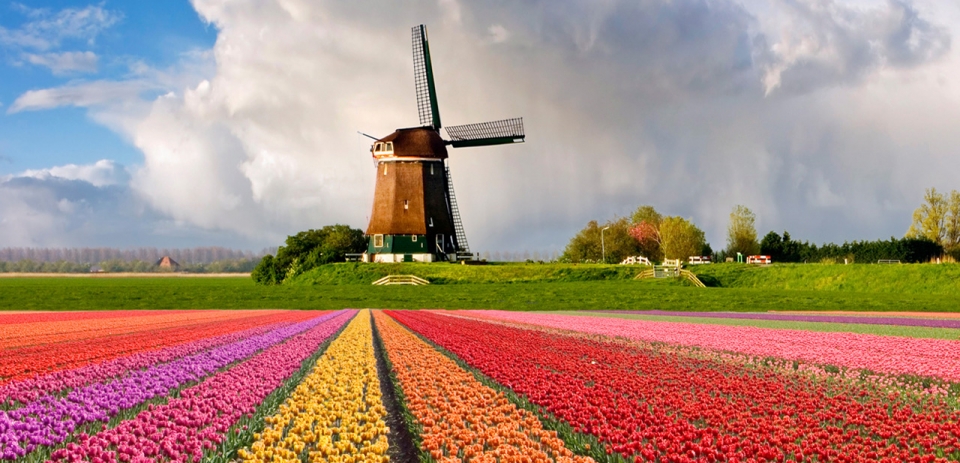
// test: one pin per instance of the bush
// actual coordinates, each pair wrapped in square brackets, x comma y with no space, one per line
[307,250]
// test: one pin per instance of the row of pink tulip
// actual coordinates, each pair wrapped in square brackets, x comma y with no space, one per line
[186,426]
[937,358]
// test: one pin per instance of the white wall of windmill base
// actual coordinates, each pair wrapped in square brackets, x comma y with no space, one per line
[396,258]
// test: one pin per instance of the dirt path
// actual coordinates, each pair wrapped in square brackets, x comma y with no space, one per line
[402,448]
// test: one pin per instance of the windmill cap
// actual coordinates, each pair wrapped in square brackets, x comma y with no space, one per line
[414,142]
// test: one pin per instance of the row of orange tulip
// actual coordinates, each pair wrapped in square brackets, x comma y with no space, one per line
[462,419]
[336,413]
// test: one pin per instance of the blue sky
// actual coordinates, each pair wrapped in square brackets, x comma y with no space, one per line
[234,123]
[154,33]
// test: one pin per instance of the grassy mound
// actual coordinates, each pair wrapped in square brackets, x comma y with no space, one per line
[894,278]
[439,273]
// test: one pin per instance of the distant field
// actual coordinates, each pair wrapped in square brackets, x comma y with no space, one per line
[242,293]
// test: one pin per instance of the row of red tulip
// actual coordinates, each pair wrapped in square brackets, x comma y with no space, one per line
[656,404]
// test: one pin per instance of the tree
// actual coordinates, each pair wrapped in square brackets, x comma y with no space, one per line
[646,230]
[647,214]
[742,232]
[265,273]
[680,238]
[586,245]
[952,232]
[772,245]
[930,219]
[309,249]
[648,238]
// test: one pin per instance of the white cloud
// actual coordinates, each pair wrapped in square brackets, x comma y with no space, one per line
[47,30]
[498,33]
[66,62]
[91,205]
[102,173]
[90,94]
[625,103]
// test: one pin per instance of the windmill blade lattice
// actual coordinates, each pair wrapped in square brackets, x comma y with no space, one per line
[423,79]
[487,133]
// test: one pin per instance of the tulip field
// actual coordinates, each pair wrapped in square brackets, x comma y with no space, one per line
[471,386]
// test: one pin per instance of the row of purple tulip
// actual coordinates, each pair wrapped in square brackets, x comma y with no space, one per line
[197,421]
[867,320]
[50,419]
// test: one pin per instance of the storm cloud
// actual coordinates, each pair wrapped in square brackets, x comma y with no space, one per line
[827,118]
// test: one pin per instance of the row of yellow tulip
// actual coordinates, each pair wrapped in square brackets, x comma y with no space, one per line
[336,414]
[462,419]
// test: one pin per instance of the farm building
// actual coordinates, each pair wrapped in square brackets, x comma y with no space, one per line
[166,263]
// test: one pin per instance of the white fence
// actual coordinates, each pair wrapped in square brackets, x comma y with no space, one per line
[636,260]
[671,263]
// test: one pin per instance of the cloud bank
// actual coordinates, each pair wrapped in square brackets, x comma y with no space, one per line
[827,118]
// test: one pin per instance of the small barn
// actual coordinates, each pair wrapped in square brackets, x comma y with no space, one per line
[166,263]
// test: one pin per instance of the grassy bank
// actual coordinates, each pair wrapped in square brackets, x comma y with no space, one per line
[438,273]
[875,278]
[242,293]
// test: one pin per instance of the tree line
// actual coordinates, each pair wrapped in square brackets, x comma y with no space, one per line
[126,266]
[211,259]
[645,233]
[198,255]
[934,233]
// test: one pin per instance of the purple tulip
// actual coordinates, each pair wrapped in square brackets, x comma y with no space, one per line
[52,419]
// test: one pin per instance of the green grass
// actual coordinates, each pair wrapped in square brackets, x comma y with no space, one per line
[438,273]
[941,279]
[881,330]
[242,293]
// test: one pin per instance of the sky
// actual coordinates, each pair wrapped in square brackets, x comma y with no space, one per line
[234,123]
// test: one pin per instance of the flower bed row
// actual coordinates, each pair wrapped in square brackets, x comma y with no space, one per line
[336,413]
[897,355]
[199,418]
[658,405]
[52,419]
[32,388]
[461,419]
[33,334]
[859,319]
[38,360]
[35,317]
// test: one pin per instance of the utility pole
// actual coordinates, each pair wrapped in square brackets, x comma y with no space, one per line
[603,247]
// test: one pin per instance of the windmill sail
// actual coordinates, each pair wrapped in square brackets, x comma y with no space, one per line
[423,79]
[487,133]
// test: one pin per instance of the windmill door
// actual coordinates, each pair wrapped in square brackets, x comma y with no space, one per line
[440,246]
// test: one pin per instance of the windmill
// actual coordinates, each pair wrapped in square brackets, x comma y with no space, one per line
[415,215]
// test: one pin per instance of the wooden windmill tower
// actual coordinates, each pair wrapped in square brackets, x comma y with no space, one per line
[415,215]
